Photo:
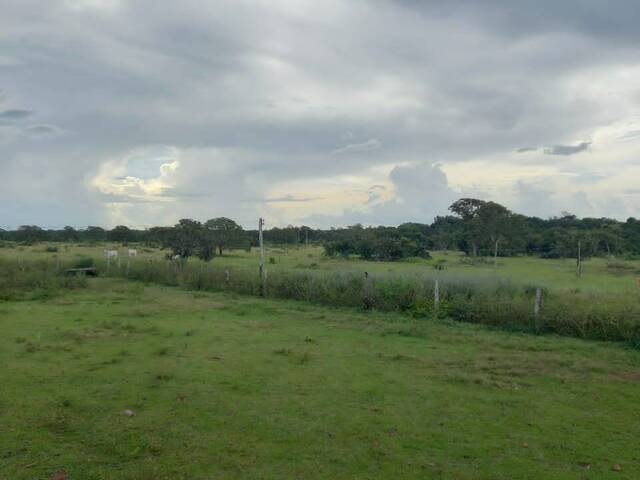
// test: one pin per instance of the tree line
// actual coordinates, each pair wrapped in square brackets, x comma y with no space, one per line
[476,227]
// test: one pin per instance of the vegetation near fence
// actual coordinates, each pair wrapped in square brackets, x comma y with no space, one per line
[473,297]
[476,299]
[35,279]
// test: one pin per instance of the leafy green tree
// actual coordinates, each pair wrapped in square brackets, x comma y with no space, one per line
[467,209]
[190,238]
[121,233]
[95,234]
[30,233]
[225,233]
[69,234]
[491,223]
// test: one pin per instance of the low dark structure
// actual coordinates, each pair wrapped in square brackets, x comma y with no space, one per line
[89,272]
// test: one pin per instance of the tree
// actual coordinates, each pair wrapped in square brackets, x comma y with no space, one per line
[30,233]
[492,221]
[69,234]
[224,233]
[467,209]
[95,234]
[188,238]
[121,233]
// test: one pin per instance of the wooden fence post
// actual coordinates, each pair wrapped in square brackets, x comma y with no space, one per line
[538,305]
[367,290]
[263,276]
[436,297]
[579,260]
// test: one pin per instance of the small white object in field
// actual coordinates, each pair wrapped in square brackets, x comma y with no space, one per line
[130,413]
[133,252]
[111,253]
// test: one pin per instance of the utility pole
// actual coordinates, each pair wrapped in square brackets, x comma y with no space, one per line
[262,272]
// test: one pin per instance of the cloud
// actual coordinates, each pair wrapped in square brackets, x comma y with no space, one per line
[11,115]
[290,199]
[8,62]
[368,146]
[567,149]
[421,192]
[41,130]
[251,97]
[526,149]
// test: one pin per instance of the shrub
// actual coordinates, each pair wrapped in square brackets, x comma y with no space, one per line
[84,262]
[35,280]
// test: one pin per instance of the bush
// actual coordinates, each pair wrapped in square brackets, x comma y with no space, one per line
[34,280]
[84,262]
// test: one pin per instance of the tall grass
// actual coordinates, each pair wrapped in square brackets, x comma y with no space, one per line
[35,279]
[486,300]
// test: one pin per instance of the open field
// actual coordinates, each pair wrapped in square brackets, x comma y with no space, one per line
[602,305]
[227,386]
[600,275]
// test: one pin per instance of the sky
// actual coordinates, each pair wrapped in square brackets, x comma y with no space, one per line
[324,113]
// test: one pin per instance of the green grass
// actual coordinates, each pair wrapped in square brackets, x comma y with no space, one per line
[470,290]
[600,275]
[226,386]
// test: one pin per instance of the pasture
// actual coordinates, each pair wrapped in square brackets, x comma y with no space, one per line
[600,275]
[121,380]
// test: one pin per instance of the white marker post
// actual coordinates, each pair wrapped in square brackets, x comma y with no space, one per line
[262,270]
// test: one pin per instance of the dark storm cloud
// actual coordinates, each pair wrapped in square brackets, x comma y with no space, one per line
[254,94]
[40,130]
[567,149]
[15,114]
[614,22]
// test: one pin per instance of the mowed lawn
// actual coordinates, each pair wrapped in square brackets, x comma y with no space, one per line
[229,387]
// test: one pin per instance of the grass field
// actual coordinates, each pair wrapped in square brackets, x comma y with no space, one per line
[226,387]
[600,275]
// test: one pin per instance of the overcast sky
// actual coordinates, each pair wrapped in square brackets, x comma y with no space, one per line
[318,112]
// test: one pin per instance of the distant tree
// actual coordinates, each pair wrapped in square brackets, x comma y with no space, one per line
[30,233]
[189,238]
[121,233]
[69,234]
[224,233]
[467,209]
[446,232]
[159,236]
[95,234]
[631,232]
[492,223]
